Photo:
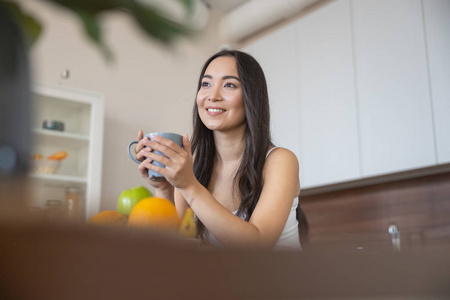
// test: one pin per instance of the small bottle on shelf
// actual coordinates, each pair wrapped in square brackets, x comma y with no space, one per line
[73,199]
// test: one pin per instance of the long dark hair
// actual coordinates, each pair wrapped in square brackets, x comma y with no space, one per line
[248,178]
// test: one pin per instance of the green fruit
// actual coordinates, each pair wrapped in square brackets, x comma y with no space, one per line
[129,198]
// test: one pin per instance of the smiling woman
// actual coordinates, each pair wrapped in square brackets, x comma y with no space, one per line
[242,189]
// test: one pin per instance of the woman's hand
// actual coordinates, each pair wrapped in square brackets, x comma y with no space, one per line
[179,162]
[141,150]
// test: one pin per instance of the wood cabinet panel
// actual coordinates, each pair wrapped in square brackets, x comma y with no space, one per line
[419,207]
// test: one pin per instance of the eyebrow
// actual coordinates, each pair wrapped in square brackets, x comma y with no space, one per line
[224,77]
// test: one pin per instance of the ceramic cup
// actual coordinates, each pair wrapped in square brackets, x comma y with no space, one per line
[178,139]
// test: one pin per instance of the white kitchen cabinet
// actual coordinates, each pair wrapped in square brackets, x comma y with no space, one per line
[371,88]
[392,86]
[437,34]
[328,118]
[277,55]
[312,93]
[82,113]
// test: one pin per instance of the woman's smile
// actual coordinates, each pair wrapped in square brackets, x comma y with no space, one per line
[215,111]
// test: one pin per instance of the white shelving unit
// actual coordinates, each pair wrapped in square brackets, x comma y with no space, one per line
[82,113]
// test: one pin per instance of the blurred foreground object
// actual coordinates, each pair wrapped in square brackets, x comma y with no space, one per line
[93,262]
[15,112]
[153,17]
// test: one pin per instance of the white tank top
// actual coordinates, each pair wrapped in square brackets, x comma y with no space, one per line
[289,239]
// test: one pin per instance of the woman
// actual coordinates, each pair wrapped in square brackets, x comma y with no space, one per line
[242,189]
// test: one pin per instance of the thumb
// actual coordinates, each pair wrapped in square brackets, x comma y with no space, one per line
[186,143]
[140,135]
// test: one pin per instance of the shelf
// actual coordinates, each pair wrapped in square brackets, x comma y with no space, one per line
[59,180]
[82,113]
[69,139]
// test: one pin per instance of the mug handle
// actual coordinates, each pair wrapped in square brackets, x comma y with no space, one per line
[129,153]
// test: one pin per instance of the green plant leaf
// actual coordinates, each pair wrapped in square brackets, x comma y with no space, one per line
[93,30]
[93,6]
[149,18]
[31,28]
[188,4]
[155,24]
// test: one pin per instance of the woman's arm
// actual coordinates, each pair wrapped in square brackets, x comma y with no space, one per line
[180,203]
[281,186]
[270,215]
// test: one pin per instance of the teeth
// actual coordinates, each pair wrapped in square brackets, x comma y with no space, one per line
[215,109]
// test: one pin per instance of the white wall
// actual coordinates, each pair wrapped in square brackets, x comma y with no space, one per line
[148,87]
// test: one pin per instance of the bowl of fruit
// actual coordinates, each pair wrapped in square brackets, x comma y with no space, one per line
[48,165]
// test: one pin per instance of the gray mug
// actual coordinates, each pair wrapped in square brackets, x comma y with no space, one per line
[178,139]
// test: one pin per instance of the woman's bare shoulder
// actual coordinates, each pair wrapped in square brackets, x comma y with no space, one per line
[281,159]
[281,170]
[282,154]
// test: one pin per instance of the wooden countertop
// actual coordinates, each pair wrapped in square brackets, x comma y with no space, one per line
[63,261]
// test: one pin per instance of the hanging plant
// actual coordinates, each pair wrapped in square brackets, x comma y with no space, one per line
[147,15]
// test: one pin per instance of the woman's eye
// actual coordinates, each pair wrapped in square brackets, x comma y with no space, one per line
[230,85]
[205,84]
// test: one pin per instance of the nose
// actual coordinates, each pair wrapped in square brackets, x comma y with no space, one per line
[214,94]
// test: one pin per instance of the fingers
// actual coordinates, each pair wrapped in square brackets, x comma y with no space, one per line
[166,146]
[143,169]
[142,146]
[173,156]
[152,156]
[147,165]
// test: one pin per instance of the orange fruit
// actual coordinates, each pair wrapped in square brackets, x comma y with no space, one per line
[155,213]
[60,155]
[108,217]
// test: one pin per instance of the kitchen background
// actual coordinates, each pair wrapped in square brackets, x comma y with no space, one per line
[360,90]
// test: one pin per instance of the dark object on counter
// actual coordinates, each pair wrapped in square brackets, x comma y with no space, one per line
[53,125]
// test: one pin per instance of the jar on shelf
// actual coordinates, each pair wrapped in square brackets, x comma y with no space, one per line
[73,199]
[54,209]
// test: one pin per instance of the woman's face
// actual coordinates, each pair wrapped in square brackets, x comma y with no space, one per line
[219,100]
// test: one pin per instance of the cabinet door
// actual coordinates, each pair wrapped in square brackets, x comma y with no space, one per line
[437,32]
[277,55]
[328,119]
[393,90]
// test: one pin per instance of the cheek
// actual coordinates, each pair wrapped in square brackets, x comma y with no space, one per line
[200,98]
[238,102]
